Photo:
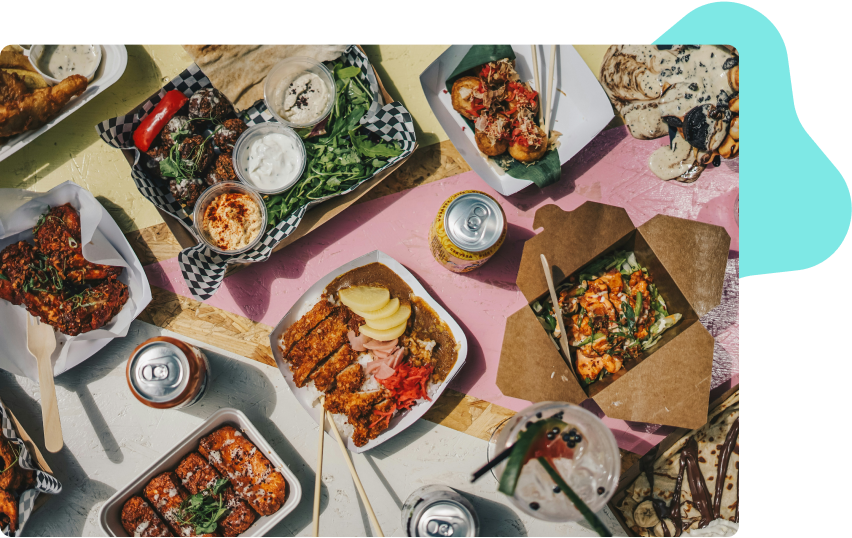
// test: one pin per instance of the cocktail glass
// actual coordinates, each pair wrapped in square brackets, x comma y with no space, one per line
[590,466]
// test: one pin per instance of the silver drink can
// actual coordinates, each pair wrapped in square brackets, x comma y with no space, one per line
[166,373]
[439,511]
[469,228]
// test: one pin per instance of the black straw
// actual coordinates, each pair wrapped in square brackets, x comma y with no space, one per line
[491,464]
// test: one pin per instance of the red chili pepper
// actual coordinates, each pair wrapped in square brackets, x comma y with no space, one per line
[154,122]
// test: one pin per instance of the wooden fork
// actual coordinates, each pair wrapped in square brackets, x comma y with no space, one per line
[41,341]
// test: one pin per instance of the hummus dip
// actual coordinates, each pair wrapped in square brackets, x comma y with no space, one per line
[232,221]
[304,99]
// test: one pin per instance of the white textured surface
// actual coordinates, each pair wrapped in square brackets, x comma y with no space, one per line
[110,438]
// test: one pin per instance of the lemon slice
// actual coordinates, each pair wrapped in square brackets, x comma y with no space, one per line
[383,324]
[364,298]
[384,336]
[383,312]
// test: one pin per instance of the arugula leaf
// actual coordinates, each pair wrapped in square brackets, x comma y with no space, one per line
[3,277]
[348,72]
[169,168]
[372,149]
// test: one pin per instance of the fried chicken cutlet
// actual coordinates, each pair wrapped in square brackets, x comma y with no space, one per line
[12,87]
[370,426]
[324,340]
[305,325]
[197,475]
[253,476]
[166,494]
[139,519]
[33,110]
[324,376]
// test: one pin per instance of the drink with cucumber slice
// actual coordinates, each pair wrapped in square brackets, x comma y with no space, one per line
[566,439]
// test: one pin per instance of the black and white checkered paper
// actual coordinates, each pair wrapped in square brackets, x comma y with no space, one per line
[45,483]
[203,270]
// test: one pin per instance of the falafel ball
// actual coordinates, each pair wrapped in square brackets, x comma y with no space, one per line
[222,170]
[178,125]
[196,154]
[209,103]
[226,136]
[152,159]
[187,191]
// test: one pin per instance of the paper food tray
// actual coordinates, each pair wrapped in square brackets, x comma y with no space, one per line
[581,108]
[312,296]
[103,243]
[110,515]
[113,64]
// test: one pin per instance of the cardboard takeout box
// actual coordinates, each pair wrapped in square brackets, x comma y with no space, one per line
[671,384]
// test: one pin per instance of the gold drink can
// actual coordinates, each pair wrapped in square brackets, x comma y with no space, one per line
[469,228]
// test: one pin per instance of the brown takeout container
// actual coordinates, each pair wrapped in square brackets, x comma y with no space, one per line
[632,473]
[313,219]
[671,384]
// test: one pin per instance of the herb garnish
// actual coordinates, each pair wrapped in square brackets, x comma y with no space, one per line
[204,510]
[341,158]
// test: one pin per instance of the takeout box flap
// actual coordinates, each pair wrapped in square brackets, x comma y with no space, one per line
[694,254]
[570,240]
[531,368]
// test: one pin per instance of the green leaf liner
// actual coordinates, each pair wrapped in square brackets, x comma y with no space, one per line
[543,172]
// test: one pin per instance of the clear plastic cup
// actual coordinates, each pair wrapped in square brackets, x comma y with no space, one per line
[207,198]
[242,147]
[592,472]
[283,74]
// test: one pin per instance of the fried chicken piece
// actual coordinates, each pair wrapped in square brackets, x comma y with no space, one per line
[305,325]
[370,426]
[8,292]
[92,308]
[165,494]
[139,519]
[350,379]
[324,376]
[324,340]
[9,509]
[197,475]
[10,479]
[251,473]
[35,109]
[588,366]
[58,237]
[34,282]
[354,405]
[12,87]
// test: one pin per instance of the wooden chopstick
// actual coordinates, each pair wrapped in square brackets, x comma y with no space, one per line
[547,126]
[355,478]
[537,84]
[563,338]
[318,486]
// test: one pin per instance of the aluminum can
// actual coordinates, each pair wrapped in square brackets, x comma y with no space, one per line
[439,511]
[469,228]
[165,373]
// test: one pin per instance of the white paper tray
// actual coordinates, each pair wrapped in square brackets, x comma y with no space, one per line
[110,515]
[112,66]
[312,296]
[579,114]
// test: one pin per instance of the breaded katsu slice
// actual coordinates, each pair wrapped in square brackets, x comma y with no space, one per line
[371,425]
[252,475]
[328,336]
[166,494]
[304,325]
[139,519]
[324,376]
[350,379]
[352,404]
[197,475]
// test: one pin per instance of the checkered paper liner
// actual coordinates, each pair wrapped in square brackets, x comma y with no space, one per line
[45,483]
[202,268]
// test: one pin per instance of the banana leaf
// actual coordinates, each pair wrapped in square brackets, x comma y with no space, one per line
[543,172]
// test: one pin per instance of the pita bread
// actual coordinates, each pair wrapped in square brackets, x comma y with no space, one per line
[238,71]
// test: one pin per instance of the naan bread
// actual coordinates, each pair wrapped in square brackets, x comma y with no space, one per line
[238,71]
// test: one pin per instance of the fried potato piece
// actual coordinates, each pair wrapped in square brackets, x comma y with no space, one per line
[32,80]
[250,472]
[196,475]
[12,87]
[37,108]
[12,57]
[9,508]
[139,519]
[487,147]
[462,96]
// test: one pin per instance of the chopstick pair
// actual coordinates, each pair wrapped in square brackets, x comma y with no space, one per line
[545,115]
[352,471]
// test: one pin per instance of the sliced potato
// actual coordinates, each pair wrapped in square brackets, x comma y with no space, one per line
[383,312]
[33,81]
[384,336]
[383,324]
[364,298]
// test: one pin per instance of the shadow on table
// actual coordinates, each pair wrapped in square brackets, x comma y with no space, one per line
[79,491]
[495,519]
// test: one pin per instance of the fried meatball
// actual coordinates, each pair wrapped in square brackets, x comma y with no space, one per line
[178,125]
[492,150]
[209,103]
[527,154]
[226,136]
[463,97]
[151,161]
[187,191]
[196,155]
[222,170]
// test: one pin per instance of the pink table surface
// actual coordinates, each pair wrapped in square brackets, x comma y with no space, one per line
[612,170]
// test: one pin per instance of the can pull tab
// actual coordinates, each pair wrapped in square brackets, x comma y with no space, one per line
[474,218]
[439,528]
[155,372]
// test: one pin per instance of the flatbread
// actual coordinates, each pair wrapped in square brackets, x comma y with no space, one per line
[238,71]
